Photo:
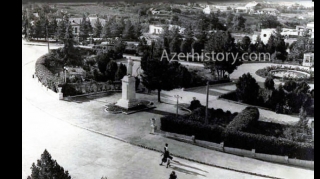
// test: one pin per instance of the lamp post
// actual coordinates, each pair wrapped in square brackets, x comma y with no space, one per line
[177,96]
[207,99]
[65,74]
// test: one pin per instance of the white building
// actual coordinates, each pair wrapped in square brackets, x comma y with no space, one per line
[266,34]
[308,59]
[252,7]
[156,29]
[270,11]
[207,10]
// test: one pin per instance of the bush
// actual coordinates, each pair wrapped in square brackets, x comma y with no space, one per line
[247,89]
[244,119]
[212,133]
[69,90]
[269,145]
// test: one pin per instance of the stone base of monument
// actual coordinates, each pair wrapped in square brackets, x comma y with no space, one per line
[127,104]
[140,106]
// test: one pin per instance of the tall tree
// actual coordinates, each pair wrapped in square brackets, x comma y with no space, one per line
[280,45]
[48,168]
[186,45]
[156,74]
[128,32]
[226,57]
[106,31]
[239,22]
[97,29]
[247,89]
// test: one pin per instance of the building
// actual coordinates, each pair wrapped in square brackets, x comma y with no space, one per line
[266,33]
[241,10]
[308,59]
[309,28]
[252,7]
[156,29]
[270,11]
[207,10]
[289,33]
[223,8]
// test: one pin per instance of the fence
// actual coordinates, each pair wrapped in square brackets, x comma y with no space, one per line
[241,152]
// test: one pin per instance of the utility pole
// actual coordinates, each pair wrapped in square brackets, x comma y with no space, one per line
[207,99]
[177,96]
[47,38]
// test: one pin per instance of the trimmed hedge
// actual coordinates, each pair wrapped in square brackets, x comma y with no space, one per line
[212,133]
[269,145]
[243,120]
[45,76]
[232,136]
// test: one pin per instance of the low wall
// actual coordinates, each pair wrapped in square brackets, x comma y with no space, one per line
[241,152]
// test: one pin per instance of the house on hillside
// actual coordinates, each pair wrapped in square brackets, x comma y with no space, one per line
[270,11]
[252,7]
[308,59]
[266,34]
[156,29]
[241,10]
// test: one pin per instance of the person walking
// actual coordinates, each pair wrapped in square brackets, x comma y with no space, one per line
[165,154]
[173,175]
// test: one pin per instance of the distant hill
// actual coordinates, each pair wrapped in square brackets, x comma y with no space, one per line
[90,1]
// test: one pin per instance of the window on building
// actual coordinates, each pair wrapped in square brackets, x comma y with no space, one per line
[75,30]
[264,35]
[155,30]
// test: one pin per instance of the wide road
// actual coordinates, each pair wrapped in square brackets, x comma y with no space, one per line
[86,154]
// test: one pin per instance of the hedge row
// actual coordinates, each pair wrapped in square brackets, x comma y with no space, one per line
[247,117]
[45,76]
[238,139]
[187,127]
[269,145]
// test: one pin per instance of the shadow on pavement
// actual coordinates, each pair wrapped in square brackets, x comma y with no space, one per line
[88,98]
[177,162]
[159,112]
[176,168]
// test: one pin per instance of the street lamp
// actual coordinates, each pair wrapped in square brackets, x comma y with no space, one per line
[65,74]
[177,96]
[207,99]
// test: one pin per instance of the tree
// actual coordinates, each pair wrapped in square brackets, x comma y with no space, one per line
[97,28]
[229,19]
[268,21]
[247,89]
[280,45]
[106,31]
[238,22]
[157,74]
[48,168]
[245,43]
[175,42]
[121,72]
[226,57]
[269,83]
[111,70]
[214,22]
[128,32]
[85,27]
[53,26]
[186,44]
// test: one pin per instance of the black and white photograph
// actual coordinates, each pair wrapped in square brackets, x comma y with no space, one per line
[172,89]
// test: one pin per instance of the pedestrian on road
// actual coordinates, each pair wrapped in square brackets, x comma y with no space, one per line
[173,175]
[169,158]
[165,154]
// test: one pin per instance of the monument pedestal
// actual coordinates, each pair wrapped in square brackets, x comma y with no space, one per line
[128,99]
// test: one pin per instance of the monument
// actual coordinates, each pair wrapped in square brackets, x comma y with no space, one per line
[128,99]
